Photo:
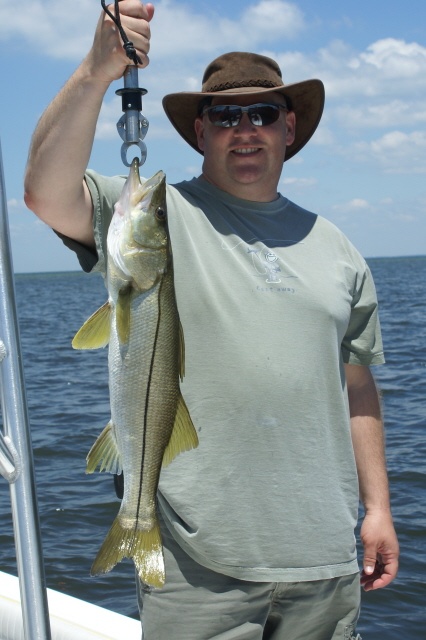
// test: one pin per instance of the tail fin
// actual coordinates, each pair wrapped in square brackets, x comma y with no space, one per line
[145,547]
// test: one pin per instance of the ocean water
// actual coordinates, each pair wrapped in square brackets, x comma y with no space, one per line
[68,406]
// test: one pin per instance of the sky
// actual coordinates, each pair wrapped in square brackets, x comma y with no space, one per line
[365,167]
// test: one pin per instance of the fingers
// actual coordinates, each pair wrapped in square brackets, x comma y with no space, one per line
[135,18]
[135,9]
[370,559]
[381,550]
[139,34]
[380,562]
[381,575]
[107,59]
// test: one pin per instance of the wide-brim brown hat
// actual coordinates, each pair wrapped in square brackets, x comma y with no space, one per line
[240,73]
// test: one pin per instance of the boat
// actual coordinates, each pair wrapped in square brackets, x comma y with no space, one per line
[70,618]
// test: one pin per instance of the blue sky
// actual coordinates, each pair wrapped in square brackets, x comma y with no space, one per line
[364,169]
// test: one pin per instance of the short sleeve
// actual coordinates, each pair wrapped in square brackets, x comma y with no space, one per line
[104,192]
[362,343]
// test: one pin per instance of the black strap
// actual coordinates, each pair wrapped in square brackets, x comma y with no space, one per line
[127,44]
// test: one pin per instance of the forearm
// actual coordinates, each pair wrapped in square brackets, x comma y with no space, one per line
[369,443]
[61,148]
[378,535]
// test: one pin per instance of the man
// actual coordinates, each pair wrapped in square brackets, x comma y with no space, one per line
[280,320]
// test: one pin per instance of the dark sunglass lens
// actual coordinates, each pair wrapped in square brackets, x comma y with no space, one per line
[262,115]
[230,115]
[224,116]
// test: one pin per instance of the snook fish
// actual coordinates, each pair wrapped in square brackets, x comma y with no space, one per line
[150,423]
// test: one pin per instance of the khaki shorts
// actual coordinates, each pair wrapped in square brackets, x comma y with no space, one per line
[199,604]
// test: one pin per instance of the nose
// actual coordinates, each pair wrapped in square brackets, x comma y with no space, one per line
[245,123]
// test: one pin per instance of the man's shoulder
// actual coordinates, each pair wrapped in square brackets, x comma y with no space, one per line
[327,233]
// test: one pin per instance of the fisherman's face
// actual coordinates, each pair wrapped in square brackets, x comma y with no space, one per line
[247,160]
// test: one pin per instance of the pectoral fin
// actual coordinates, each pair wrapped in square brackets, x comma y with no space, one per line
[184,437]
[104,453]
[95,332]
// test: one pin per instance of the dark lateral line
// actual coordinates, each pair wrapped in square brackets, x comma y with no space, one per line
[151,368]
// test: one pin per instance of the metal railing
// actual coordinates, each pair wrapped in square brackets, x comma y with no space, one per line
[16,457]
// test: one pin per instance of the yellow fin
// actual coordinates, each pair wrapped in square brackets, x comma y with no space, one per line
[147,553]
[145,547]
[122,315]
[104,453]
[95,332]
[184,436]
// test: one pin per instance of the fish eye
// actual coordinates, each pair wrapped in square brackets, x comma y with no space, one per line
[160,213]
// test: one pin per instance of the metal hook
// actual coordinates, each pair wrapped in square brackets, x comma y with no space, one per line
[132,126]
[126,146]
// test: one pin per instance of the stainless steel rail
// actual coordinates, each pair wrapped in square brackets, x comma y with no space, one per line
[16,458]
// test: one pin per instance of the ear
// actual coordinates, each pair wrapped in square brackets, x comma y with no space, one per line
[290,119]
[199,131]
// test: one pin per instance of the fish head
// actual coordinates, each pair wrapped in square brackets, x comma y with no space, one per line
[148,213]
[138,238]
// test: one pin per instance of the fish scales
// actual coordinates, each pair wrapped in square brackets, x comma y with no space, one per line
[150,423]
[142,371]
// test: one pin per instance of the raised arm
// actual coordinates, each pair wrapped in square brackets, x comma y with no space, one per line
[378,535]
[62,142]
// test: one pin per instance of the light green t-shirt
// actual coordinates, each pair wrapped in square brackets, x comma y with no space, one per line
[273,300]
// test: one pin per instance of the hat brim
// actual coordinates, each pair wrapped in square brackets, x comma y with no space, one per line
[307,99]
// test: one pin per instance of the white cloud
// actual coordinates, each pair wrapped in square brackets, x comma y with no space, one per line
[192,170]
[299,183]
[211,34]
[354,205]
[396,59]
[387,68]
[274,18]
[65,31]
[396,151]
[389,72]
[323,136]
[384,210]
[16,204]
[56,29]
[383,114]
[106,128]
[358,203]
[383,88]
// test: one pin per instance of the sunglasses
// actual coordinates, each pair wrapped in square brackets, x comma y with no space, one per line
[229,115]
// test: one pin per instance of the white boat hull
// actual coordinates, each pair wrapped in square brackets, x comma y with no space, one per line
[70,618]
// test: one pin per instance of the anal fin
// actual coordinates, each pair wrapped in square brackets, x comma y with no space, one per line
[184,437]
[104,453]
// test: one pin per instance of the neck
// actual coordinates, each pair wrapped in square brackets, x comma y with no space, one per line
[244,192]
